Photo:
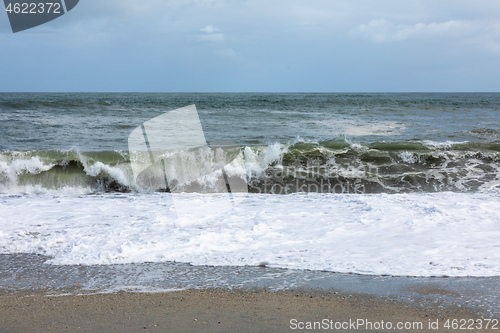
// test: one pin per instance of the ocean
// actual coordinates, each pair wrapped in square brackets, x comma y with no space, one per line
[376,184]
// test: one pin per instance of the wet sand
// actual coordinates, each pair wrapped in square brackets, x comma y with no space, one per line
[219,310]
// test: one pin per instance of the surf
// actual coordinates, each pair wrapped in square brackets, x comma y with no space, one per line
[281,168]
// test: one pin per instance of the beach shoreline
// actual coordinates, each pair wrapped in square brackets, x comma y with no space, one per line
[220,310]
[86,248]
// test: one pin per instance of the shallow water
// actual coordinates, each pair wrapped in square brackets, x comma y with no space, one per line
[31,272]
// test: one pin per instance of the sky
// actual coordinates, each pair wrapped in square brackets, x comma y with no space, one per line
[258,46]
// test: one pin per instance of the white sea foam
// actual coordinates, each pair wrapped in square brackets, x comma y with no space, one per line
[115,172]
[361,128]
[257,161]
[19,166]
[444,144]
[453,234]
[408,157]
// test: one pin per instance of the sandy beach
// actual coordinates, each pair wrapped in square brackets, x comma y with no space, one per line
[224,311]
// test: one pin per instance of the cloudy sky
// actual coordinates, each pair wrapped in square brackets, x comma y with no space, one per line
[258,46]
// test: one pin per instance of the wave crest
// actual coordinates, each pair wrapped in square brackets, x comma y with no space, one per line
[335,165]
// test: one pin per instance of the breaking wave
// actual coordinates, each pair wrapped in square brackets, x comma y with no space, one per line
[336,165]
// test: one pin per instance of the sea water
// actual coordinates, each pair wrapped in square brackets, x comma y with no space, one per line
[373,184]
